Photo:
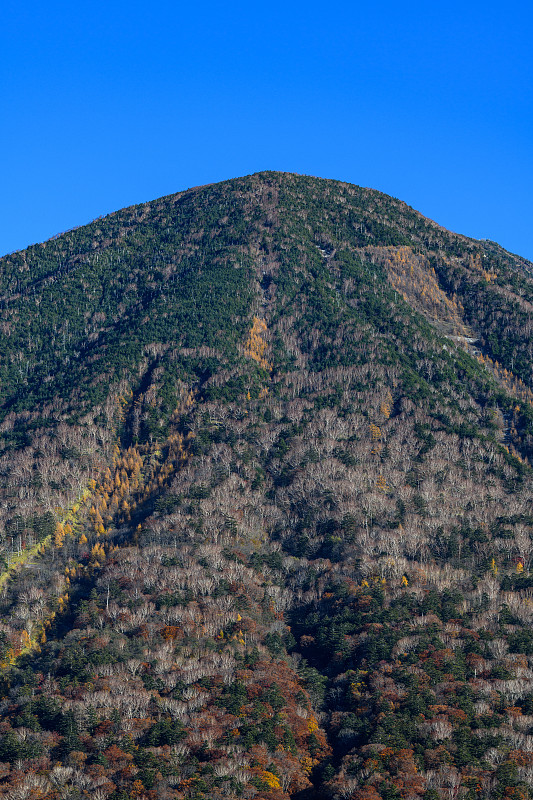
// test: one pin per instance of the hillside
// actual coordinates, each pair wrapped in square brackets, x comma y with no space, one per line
[266,503]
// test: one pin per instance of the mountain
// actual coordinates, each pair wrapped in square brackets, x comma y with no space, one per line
[266,503]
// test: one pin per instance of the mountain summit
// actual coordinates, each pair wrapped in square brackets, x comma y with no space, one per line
[266,503]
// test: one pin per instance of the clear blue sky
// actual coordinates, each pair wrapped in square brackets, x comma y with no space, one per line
[103,105]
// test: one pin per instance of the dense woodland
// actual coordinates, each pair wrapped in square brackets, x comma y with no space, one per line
[266,504]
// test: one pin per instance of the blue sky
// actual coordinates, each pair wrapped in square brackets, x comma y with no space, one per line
[108,104]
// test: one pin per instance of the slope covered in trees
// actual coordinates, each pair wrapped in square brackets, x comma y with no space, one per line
[266,503]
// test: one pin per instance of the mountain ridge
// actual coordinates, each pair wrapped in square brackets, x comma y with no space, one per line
[272,173]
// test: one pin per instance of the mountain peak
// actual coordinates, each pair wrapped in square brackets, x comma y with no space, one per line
[265,476]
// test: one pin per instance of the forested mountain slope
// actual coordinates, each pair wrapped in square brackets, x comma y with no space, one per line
[266,503]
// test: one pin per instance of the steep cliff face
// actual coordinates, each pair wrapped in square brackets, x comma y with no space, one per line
[266,503]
